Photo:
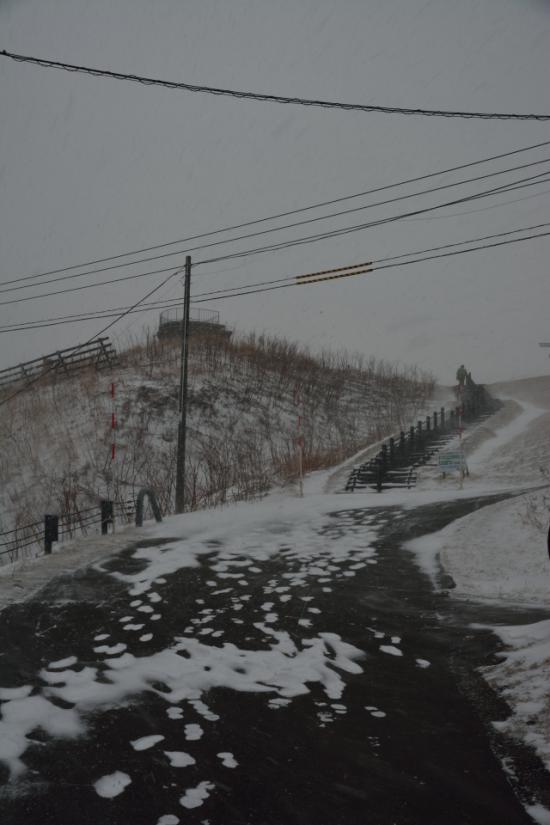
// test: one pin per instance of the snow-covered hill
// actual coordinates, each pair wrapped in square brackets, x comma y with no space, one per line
[245,397]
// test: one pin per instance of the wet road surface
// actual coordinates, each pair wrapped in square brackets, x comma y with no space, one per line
[408,741]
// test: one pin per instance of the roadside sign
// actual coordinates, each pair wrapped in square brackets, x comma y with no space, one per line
[449,461]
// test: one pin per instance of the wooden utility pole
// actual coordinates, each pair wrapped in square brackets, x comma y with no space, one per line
[180,464]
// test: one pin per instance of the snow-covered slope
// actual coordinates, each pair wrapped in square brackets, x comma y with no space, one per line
[245,398]
[500,552]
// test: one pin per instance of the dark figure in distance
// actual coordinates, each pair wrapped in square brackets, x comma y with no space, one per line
[461,375]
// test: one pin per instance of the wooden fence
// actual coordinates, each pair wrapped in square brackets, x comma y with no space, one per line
[99,354]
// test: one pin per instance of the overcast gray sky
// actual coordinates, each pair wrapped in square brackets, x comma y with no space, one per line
[93,167]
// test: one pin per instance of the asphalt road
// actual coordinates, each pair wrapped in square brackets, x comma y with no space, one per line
[407,743]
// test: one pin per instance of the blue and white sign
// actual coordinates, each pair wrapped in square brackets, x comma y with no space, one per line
[452,461]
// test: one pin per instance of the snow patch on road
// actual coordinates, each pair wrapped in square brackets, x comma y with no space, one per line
[540,814]
[194,797]
[146,742]
[391,649]
[180,759]
[21,715]
[193,732]
[112,785]
[228,760]
[188,669]
[63,663]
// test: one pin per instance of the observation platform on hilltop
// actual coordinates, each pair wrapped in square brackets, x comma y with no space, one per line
[201,322]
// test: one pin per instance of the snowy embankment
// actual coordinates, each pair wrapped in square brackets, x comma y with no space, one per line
[499,553]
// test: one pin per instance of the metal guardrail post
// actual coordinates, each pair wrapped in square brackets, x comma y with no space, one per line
[107,516]
[146,491]
[379,474]
[51,532]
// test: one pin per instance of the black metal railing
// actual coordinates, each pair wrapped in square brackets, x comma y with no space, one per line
[200,316]
[53,527]
[401,454]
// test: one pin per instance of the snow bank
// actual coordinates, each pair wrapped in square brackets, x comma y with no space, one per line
[499,552]
[493,553]
[523,678]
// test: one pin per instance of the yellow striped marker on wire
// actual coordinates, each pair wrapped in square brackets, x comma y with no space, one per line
[333,274]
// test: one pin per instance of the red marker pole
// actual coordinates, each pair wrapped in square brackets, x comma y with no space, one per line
[113,423]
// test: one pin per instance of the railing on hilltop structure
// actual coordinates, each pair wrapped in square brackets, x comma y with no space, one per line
[201,321]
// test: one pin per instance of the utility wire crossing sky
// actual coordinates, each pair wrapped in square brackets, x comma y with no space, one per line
[268,98]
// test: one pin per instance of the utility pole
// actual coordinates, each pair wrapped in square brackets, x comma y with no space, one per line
[180,464]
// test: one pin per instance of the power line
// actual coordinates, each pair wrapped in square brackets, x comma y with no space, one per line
[520,184]
[384,266]
[351,269]
[294,225]
[90,286]
[88,316]
[510,187]
[376,263]
[308,208]
[483,208]
[269,98]
[464,243]
[463,251]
